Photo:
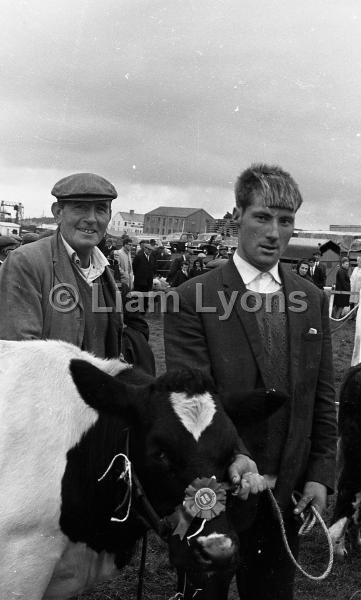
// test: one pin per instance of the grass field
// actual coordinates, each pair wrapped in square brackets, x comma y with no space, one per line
[344,582]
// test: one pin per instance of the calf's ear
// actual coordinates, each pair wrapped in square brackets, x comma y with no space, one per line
[105,393]
[255,406]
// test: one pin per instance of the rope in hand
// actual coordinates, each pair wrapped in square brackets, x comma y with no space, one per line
[305,528]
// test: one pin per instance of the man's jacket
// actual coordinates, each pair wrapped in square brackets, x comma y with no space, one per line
[199,333]
[40,299]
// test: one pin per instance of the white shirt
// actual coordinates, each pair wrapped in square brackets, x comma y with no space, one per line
[263,282]
[97,265]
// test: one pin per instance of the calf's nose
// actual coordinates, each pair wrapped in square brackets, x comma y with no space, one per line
[216,549]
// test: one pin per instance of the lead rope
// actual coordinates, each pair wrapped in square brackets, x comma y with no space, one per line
[303,530]
[142,567]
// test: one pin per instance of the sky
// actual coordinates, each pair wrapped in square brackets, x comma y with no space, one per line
[171,99]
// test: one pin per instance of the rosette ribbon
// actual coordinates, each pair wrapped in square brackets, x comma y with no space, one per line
[205,499]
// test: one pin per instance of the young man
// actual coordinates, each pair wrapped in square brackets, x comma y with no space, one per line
[124,258]
[318,271]
[61,287]
[253,324]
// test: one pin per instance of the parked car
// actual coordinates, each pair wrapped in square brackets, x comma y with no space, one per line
[206,243]
[179,242]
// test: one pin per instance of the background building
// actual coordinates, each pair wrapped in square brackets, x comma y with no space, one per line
[127,222]
[166,220]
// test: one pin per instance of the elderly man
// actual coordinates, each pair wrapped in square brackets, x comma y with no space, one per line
[7,244]
[251,323]
[61,287]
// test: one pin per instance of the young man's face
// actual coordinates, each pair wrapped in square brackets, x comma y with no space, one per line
[263,233]
[83,224]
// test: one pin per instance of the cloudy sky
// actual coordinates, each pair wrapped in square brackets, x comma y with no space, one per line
[171,99]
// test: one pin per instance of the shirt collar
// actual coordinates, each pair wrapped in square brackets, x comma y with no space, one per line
[248,272]
[98,262]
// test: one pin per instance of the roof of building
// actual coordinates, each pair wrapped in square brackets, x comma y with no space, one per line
[127,216]
[304,247]
[174,211]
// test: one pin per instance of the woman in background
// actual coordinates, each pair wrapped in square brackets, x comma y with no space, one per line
[197,268]
[303,269]
[342,285]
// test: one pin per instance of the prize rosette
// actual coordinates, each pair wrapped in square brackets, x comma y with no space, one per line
[205,498]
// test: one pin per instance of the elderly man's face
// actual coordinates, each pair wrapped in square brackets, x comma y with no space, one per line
[83,224]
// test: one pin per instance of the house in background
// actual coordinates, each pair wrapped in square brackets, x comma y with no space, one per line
[166,220]
[126,222]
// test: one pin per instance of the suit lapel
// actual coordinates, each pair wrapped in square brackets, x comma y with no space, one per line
[232,281]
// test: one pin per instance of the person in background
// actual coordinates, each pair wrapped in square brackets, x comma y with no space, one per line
[222,253]
[181,275]
[176,264]
[303,270]
[124,260]
[28,238]
[7,244]
[355,283]
[107,246]
[318,270]
[143,269]
[197,268]
[60,286]
[341,301]
[284,345]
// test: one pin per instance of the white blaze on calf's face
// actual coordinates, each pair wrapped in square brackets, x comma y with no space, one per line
[195,412]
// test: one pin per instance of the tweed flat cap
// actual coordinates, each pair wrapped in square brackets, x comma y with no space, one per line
[28,238]
[84,186]
[5,240]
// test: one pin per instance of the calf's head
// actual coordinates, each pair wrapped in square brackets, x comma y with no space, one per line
[181,439]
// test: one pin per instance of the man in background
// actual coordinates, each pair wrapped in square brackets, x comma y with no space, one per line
[318,270]
[124,259]
[143,269]
[7,244]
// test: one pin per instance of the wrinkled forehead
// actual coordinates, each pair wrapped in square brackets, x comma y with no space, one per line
[86,202]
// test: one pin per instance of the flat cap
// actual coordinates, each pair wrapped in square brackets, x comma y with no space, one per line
[28,238]
[5,240]
[84,186]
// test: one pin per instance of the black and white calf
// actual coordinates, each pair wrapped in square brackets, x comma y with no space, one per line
[64,415]
[346,527]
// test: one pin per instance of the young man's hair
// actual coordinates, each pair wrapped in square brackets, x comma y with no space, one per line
[277,188]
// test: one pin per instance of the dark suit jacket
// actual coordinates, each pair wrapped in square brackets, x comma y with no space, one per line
[231,351]
[143,269]
[319,276]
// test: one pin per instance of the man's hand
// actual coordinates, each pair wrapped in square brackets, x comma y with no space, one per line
[314,494]
[243,474]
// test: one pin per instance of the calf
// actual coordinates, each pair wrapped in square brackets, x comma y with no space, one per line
[346,522]
[64,416]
